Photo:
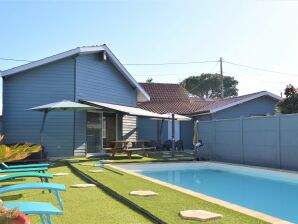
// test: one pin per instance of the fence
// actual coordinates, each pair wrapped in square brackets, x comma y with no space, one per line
[270,141]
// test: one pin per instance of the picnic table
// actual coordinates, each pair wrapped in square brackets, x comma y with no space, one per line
[121,146]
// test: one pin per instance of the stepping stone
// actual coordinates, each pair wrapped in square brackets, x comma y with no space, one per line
[60,174]
[199,215]
[85,164]
[82,185]
[95,171]
[143,193]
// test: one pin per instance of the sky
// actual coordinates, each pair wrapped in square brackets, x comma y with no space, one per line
[261,34]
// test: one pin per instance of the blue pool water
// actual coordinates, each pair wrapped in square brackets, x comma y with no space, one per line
[271,192]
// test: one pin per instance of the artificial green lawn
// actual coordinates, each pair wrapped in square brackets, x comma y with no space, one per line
[138,158]
[168,203]
[82,206]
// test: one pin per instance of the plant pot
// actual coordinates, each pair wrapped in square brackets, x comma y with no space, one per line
[21,219]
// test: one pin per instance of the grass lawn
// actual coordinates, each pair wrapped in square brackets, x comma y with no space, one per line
[153,157]
[82,206]
[168,203]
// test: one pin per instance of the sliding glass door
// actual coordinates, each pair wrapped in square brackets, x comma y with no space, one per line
[94,131]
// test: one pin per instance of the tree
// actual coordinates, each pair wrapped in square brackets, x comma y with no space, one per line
[208,85]
[289,105]
[149,80]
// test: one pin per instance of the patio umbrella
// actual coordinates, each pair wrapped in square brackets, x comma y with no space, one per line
[195,137]
[64,105]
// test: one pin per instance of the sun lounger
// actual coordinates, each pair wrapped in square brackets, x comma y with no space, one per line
[43,176]
[36,165]
[43,209]
[37,169]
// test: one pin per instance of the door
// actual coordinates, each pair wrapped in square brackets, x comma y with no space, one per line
[94,132]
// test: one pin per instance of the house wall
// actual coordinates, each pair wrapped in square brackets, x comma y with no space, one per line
[257,107]
[148,129]
[129,127]
[100,81]
[263,141]
[46,84]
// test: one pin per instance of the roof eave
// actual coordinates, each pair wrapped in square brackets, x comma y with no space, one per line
[142,95]
[261,94]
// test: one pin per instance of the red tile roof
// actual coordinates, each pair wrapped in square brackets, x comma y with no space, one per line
[165,92]
[172,98]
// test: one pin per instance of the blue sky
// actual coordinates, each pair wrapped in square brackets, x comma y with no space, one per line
[256,33]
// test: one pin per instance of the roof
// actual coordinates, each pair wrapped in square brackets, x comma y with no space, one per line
[124,109]
[191,105]
[142,94]
[165,92]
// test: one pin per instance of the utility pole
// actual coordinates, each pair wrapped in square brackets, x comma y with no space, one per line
[221,78]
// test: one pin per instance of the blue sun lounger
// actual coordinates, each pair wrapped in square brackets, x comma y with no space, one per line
[25,166]
[42,176]
[43,209]
[37,169]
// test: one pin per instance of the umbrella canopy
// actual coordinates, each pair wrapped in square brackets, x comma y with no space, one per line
[64,105]
[177,117]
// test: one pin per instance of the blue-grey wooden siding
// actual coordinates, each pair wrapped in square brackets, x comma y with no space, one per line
[99,81]
[147,129]
[265,141]
[259,106]
[46,84]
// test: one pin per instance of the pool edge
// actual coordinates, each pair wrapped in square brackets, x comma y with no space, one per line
[243,210]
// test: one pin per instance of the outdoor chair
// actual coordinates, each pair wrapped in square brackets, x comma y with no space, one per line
[43,209]
[25,166]
[167,145]
[179,145]
[42,176]
[29,169]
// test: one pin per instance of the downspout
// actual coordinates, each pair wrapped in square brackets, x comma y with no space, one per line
[74,99]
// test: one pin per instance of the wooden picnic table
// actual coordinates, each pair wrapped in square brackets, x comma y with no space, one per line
[121,146]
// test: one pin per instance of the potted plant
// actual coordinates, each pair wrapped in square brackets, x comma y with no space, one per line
[12,216]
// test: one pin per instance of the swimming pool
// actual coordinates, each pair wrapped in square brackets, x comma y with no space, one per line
[268,191]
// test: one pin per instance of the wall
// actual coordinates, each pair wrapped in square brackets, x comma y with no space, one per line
[148,129]
[100,81]
[46,84]
[260,106]
[263,141]
[129,127]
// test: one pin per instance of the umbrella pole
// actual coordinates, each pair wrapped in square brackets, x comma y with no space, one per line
[173,135]
[41,131]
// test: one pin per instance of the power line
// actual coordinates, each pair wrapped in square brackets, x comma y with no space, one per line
[13,59]
[169,63]
[260,69]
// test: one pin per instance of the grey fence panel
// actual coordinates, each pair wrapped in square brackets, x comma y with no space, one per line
[289,141]
[270,141]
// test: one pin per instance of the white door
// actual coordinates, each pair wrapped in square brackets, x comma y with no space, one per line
[177,130]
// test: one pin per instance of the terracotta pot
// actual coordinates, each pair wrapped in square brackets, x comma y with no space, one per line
[21,219]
